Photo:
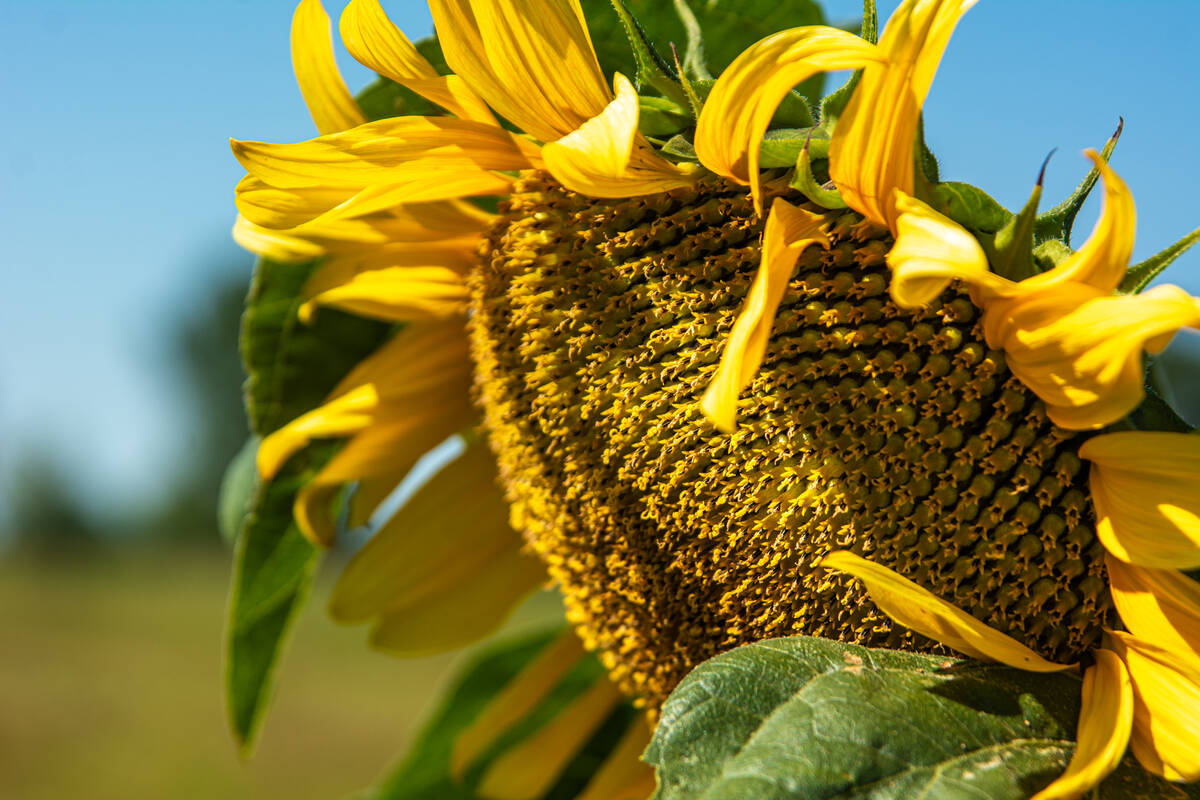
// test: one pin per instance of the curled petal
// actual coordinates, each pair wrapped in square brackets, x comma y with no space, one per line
[1146,491]
[930,251]
[871,154]
[342,416]
[1166,696]
[608,157]
[396,294]
[1082,353]
[329,102]
[380,46]
[531,60]
[1159,605]
[924,612]
[789,232]
[1105,722]
[743,100]
[1103,259]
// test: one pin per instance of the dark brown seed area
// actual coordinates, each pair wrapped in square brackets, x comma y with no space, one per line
[597,325]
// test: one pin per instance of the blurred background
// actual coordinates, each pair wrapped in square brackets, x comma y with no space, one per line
[119,378]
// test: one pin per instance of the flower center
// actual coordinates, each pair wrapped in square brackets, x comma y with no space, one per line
[597,325]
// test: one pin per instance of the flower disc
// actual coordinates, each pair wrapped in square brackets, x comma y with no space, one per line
[597,325]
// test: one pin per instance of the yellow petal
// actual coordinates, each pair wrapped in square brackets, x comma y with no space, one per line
[1158,605]
[342,416]
[789,231]
[608,157]
[1084,359]
[871,154]
[1105,722]
[398,294]
[1166,701]
[531,767]
[1146,491]
[276,245]
[447,534]
[380,46]
[531,60]
[1103,259]
[329,102]
[744,98]
[516,700]
[930,251]
[347,262]
[922,611]
[462,613]
[382,152]
[623,775]
[285,209]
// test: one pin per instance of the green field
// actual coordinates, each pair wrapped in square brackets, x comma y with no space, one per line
[110,687]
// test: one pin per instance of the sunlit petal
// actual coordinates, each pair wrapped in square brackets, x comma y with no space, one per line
[789,232]
[397,294]
[1159,605]
[329,101]
[1146,491]
[927,614]
[872,152]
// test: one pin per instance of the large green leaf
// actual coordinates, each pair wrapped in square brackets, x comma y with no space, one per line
[811,718]
[291,368]
[425,771]
[728,27]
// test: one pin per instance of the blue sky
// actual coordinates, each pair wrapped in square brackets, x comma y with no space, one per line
[116,179]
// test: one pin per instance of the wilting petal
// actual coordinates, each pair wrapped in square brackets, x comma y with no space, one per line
[1085,360]
[380,46]
[744,98]
[532,61]
[930,251]
[1103,259]
[1166,696]
[924,612]
[398,294]
[789,231]
[1146,491]
[872,152]
[608,157]
[378,152]
[344,415]
[516,700]
[530,768]
[1158,605]
[329,102]
[623,775]
[1105,722]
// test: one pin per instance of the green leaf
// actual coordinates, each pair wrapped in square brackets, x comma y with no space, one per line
[238,487]
[425,771]
[728,28]
[291,368]
[969,206]
[1058,222]
[1139,276]
[1175,375]
[807,718]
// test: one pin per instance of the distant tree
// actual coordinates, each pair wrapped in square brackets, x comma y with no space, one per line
[48,519]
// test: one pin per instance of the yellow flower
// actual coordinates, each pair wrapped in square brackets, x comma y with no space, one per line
[618,306]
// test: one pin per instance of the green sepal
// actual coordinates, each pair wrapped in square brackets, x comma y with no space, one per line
[806,183]
[781,147]
[1174,375]
[870,23]
[386,98]
[1155,412]
[1058,221]
[652,69]
[680,147]
[425,771]
[1139,276]
[969,206]
[695,101]
[658,116]
[693,65]
[804,718]
[1051,253]
[1010,251]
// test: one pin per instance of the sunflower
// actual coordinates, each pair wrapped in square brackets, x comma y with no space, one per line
[720,396]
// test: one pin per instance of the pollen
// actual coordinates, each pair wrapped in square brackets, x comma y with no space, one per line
[596,327]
